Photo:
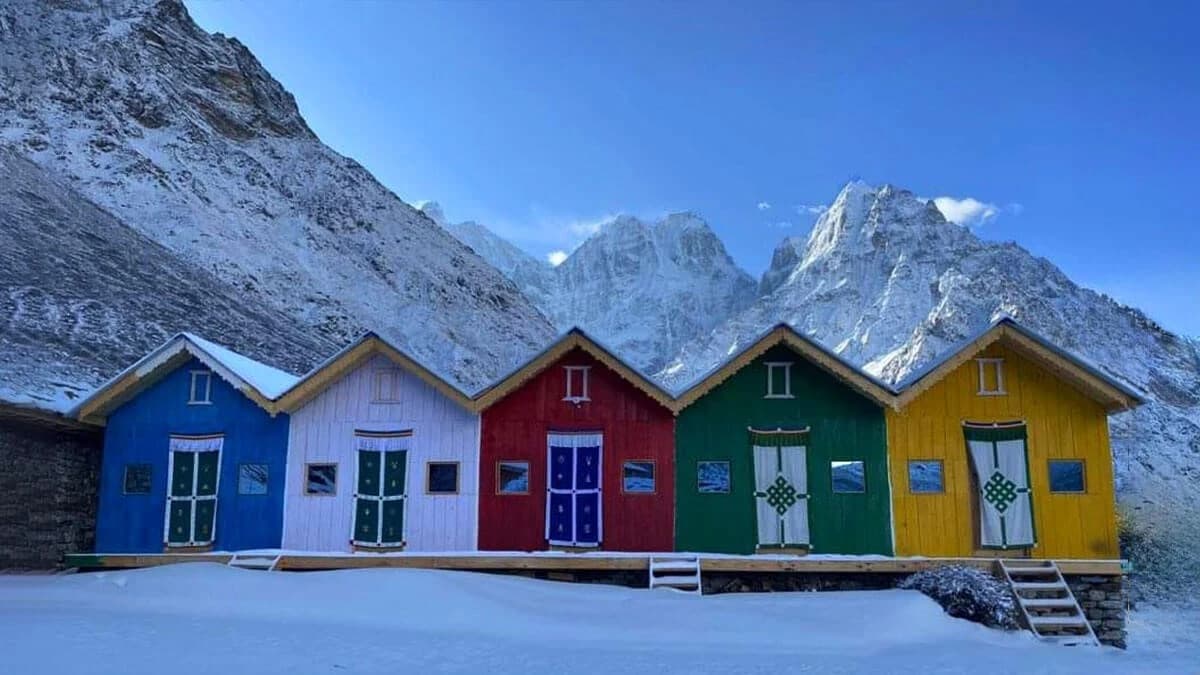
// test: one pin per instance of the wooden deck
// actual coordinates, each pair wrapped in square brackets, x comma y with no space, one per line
[579,562]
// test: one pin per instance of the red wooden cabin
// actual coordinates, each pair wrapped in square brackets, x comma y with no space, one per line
[609,433]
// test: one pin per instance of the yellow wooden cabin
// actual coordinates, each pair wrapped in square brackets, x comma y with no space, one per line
[1006,398]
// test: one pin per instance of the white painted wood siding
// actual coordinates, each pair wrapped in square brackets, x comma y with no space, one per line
[323,432]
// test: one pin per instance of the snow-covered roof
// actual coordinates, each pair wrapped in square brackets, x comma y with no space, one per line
[303,389]
[260,382]
[1119,394]
[573,338]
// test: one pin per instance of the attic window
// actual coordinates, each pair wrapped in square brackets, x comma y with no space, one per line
[387,385]
[577,383]
[200,392]
[991,377]
[779,379]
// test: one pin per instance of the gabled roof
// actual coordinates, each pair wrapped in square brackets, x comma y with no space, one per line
[355,354]
[782,333]
[257,381]
[1102,387]
[572,339]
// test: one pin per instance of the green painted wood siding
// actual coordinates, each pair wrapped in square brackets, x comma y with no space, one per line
[845,426]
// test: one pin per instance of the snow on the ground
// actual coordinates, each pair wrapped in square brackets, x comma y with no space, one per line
[200,618]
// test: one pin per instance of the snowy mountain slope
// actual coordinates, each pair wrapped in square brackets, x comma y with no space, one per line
[885,280]
[645,289]
[82,296]
[184,136]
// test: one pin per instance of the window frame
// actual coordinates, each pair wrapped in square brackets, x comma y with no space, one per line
[728,488]
[1082,475]
[457,477]
[833,484]
[381,375]
[941,475]
[125,479]
[787,379]
[308,467]
[266,482]
[653,477]
[207,400]
[568,395]
[998,364]
[528,474]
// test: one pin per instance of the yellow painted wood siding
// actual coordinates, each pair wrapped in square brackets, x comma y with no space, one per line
[1062,424]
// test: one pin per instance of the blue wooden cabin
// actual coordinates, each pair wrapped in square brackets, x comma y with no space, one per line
[194,452]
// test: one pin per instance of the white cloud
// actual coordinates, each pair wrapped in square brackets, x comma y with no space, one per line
[780,225]
[811,209]
[969,212]
[556,258]
[763,206]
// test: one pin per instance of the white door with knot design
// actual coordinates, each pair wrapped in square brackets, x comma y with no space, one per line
[781,494]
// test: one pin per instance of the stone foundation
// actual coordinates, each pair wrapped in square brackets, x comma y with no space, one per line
[1104,601]
[49,475]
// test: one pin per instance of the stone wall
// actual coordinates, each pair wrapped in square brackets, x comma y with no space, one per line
[1103,600]
[49,473]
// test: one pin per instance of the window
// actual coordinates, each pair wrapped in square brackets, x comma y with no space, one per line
[849,477]
[137,479]
[577,383]
[712,477]
[387,385]
[925,476]
[201,389]
[441,478]
[779,379]
[252,479]
[320,480]
[512,478]
[1067,475]
[991,377]
[637,476]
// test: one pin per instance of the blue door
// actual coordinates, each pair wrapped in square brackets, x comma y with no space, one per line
[573,493]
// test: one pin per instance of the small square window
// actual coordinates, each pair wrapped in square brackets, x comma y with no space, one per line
[387,385]
[252,479]
[779,380]
[849,477]
[1067,475]
[441,478]
[991,377]
[637,476]
[320,480]
[137,479]
[200,392]
[925,476]
[577,383]
[712,477]
[512,478]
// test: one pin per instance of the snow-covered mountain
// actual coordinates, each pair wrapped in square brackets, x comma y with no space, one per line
[888,282]
[82,295]
[183,135]
[644,288]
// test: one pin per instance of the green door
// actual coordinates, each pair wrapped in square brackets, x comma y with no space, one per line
[192,499]
[380,498]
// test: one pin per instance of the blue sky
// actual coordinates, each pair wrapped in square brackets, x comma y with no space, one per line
[1080,128]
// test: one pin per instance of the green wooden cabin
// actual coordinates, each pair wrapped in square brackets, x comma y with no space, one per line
[783,449]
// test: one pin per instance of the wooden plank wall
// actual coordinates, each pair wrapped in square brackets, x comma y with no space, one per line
[322,431]
[1062,424]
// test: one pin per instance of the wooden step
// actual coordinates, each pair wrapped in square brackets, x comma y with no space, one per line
[1032,571]
[673,566]
[1048,603]
[1040,621]
[1040,586]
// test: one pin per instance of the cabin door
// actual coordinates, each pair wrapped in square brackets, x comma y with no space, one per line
[573,493]
[781,492]
[381,490]
[195,470]
[1001,462]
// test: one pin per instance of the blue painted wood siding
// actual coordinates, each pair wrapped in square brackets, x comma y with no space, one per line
[139,433]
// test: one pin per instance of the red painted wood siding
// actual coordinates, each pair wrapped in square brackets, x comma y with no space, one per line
[635,427]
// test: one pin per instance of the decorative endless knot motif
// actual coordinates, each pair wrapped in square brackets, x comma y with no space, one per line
[1000,492]
[781,495]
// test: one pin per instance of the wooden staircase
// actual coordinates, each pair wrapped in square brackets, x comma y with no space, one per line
[678,573]
[1047,603]
[255,561]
